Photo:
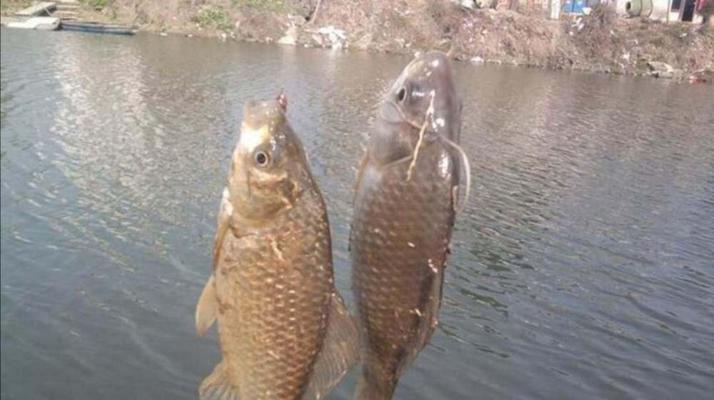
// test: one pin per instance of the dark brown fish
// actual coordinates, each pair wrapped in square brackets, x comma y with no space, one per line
[404,211]
[284,331]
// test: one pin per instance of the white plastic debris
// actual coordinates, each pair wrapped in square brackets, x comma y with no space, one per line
[335,36]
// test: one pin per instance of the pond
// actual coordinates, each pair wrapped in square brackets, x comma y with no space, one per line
[582,267]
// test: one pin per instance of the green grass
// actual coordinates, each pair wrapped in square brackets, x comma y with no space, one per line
[214,17]
[14,5]
[264,5]
[96,4]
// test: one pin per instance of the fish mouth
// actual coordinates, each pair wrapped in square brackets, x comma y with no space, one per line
[257,114]
[424,97]
[262,121]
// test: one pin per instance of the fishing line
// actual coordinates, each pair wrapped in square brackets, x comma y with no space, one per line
[429,113]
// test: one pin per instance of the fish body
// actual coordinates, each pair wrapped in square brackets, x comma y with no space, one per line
[283,330]
[404,211]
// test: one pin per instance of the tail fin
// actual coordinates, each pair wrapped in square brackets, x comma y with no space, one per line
[217,386]
[339,351]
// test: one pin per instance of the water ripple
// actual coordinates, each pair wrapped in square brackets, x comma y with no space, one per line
[581,267]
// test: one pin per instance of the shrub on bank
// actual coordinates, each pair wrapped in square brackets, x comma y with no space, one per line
[214,17]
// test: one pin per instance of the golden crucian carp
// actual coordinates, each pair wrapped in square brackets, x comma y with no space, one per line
[283,329]
[404,210]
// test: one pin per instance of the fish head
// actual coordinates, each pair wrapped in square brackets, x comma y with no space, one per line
[422,97]
[269,166]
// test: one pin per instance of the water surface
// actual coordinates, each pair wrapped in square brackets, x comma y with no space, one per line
[582,268]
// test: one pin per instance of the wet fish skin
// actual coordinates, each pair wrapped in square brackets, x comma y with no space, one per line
[272,289]
[403,219]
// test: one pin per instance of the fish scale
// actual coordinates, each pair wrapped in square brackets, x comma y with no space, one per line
[399,226]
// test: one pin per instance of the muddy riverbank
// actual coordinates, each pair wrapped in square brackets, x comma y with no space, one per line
[600,42]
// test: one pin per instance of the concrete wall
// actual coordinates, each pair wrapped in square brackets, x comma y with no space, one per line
[659,10]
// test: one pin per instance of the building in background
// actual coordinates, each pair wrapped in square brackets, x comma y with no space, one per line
[663,10]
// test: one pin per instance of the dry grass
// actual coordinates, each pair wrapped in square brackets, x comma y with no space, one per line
[11,6]
[601,41]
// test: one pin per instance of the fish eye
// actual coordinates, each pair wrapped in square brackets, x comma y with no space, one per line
[261,158]
[401,94]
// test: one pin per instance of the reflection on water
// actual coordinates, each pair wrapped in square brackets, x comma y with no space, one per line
[580,269]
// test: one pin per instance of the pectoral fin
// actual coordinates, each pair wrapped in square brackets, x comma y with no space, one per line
[464,173]
[339,351]
[224,222]
[360,171]
[207,308]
